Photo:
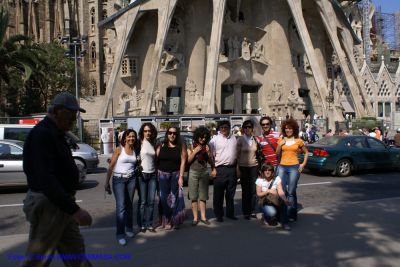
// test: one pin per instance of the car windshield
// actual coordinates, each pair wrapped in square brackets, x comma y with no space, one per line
[329,141]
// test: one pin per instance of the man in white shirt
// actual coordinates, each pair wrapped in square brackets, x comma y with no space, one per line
[223,147]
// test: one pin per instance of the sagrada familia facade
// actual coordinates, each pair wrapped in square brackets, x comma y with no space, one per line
[275,57]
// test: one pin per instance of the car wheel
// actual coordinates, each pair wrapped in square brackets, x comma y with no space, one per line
[343,168]
[82,169]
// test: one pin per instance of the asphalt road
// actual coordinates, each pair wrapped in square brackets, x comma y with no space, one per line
[313,191]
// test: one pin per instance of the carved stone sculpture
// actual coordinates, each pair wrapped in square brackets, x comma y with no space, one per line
[171,61]
[246,49]
[277,92]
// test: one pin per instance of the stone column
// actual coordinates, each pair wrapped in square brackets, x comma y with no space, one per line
[124,26]
[327,15]
[237,96]
[296,9]
[164,19]
[213,56]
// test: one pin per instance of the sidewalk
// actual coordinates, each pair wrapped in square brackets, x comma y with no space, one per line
[354,234]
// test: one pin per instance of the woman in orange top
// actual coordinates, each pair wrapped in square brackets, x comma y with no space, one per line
[289,169]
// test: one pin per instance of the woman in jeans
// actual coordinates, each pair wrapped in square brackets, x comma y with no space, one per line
[148,179]
[248,169]
[272,212]
[289,169]
[199,178]
[171,159]
[121,169]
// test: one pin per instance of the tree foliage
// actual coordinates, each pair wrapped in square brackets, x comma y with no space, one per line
[31,74]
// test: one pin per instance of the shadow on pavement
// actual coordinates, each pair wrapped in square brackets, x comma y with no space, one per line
[88,184]
[342,235]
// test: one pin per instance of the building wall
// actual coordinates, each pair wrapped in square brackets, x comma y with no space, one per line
[278,71]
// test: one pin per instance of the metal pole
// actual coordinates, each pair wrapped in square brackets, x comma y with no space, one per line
[78,118]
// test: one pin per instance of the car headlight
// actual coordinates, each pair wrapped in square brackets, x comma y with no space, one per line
[93,154]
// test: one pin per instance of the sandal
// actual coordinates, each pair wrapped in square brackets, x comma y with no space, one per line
[206,222]
[195,222]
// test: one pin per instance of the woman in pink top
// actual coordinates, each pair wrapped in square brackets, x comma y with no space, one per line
[289,169]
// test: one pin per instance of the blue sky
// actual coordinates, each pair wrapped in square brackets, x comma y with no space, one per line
[388,6]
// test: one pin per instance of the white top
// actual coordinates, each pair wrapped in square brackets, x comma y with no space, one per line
[264,184]
[125,163]
[148,156]
[224,149]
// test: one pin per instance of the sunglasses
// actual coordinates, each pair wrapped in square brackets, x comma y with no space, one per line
[265,124]
[172,133]
[248,127]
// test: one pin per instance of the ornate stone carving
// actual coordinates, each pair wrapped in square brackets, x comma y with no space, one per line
[128,101]
[258,51]
[158,102]
[171,58]
[171,61]
[277,91]
[246,49]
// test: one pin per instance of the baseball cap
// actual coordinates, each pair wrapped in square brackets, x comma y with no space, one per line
[66,100]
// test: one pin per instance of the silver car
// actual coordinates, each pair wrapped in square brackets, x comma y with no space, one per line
[11,171]
[84,155]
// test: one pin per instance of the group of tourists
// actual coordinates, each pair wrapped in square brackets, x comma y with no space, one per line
[267,165]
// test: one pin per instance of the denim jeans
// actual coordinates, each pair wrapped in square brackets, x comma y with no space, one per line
[124,189]
[169,190]
[271,211]
[147,185]
[290,177]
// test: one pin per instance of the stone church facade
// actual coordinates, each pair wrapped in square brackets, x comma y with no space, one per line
[281,57]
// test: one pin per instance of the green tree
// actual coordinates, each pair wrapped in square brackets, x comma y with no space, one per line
[18,58]
[55,75]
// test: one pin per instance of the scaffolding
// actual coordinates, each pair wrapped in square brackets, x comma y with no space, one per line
[387,37]
[365,7]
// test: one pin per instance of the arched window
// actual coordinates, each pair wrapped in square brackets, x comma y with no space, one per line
[92,18]
[93,55]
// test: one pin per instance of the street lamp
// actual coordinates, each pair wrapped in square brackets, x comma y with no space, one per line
[75,45]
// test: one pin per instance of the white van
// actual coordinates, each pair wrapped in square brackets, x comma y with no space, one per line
[83,154]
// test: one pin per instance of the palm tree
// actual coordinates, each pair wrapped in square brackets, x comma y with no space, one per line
[16,52]
[18,57]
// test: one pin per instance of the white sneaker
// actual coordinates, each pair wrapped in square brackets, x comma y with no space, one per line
[122,241]
[130,234]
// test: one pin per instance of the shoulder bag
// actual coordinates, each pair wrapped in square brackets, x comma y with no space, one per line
[270,199]
[259,153]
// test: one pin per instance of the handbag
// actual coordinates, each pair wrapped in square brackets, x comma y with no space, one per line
[259,153]
[270,199]
[138,167]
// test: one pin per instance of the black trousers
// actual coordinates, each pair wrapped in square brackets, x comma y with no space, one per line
[248,177]
[224,184]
